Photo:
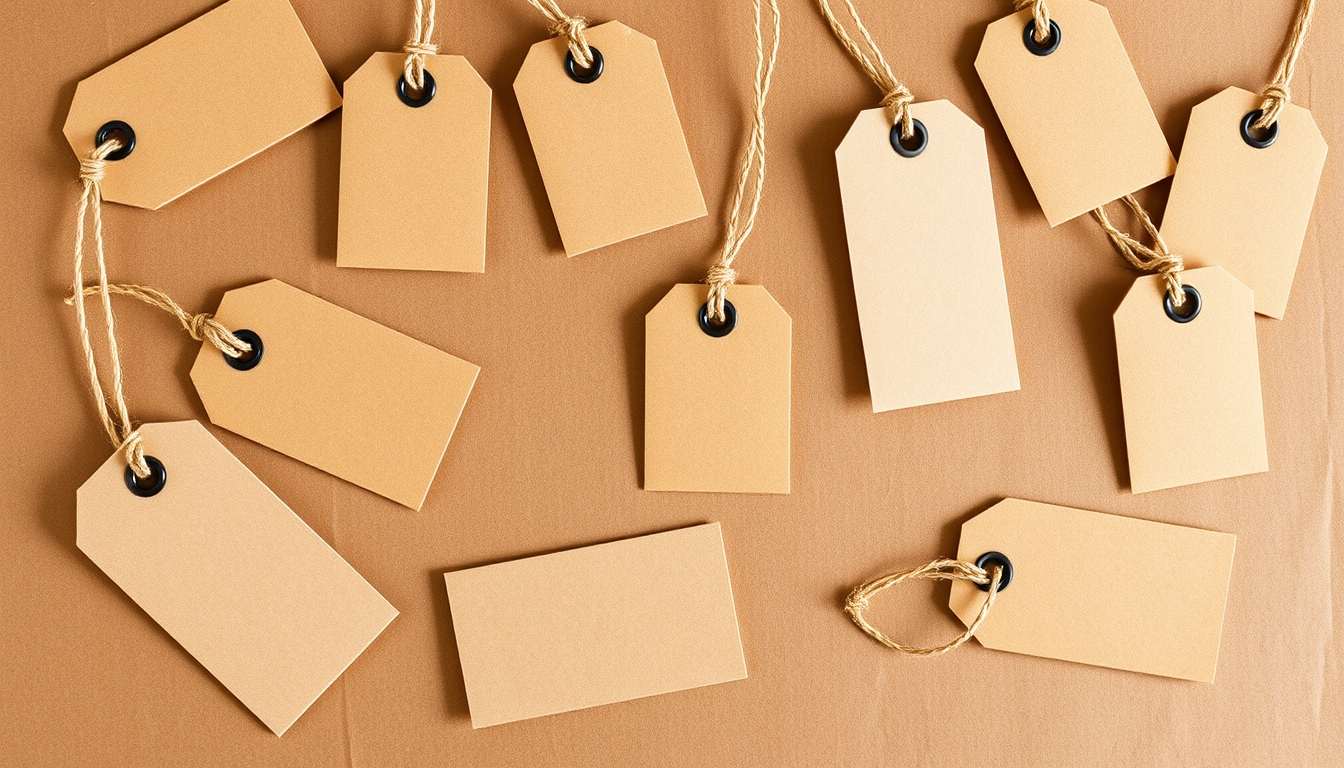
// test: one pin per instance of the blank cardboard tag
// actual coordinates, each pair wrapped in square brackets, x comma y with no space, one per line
[611,152]
[1244,208]
[924,248]
[1078,119]
[243,584]
[716,410]
[414,179]
[597,625]
[203,99]
[1191,391]
[335,390]
[1100,589]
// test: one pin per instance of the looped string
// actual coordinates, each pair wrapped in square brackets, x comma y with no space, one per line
[950,570]
[201,327]
[1276,94]
[752,176]
[570,27]
[419,46]
[1039,14]
[895,96]
[1141,257]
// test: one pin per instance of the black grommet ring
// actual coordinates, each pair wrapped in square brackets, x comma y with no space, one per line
[249,361]
[593,72]
[729,320]
[128,138]
[1051,43]
[151,485]
[426,93]
[996,558]
[921,139]
[1271,133]
[1191,296]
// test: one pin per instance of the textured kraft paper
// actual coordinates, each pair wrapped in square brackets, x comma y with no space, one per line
[549,453]
[1242,208]
[612,151]
[336,390]
[1100,589]
[596,625]
[414,179]
[231,573]
[1078,118]
[203,99]
[924,250]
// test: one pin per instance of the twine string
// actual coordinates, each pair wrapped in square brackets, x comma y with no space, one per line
[1276,94]
[895,96]
[1039,14]
[420,45]
[570,27]
[1156,258]
[201,327]
[951,570]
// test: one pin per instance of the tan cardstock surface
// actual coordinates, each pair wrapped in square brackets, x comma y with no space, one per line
[1100,589]
[414,179]
[596,625]
[924,250]
[203,99]
[236,578]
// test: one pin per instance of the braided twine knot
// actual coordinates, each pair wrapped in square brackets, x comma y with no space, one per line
[720,278]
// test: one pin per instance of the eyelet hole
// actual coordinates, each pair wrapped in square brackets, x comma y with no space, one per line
[991,559]
[413,97]
[1259,138]
[1046,48]
[250,359]
[1188,310]
[151,484]
[584,75]
[913,146]
[122,132]
[719,330]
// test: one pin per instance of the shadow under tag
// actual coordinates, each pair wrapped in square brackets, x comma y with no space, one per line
[924,249]
[1077,117]
[1100,589]
[335,390]
[414,178]
[203,99]
[611,151]
[716,409]
[1242,207]
[1190,390]
[230,572]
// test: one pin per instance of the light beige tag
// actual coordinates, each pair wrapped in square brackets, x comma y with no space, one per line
[611,151]
[597,625]
[1241,207]
[1191,390]
[1100,589]
[924,249]
[413,179]
[335,390]
[716,410]
[203,99]
[243,584]
[1078,119]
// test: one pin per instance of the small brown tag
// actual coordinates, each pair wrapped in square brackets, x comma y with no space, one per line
[1241,207]
[716,409]
[335,390]
[1191,390]
[413,179]
[1078,119]
[611,151]
[203,99]
[924,248]
[243,584]
[1100,589]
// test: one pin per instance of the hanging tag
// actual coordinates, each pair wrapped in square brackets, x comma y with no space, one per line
[609,144]
[924,248]
[1243,201]
[716,401]
[200,100]
[334,390]
[1190,386]
[243,584]
[414,170]
[1073,109]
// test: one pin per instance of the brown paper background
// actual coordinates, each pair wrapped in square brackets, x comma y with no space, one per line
[547,455]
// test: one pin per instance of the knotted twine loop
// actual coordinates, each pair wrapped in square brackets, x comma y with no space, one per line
[570,27]
[419,46]
[950,570]
[1276,94]
[1141,257]
[201,327]
[751,179]
[1039,14]
[895,96]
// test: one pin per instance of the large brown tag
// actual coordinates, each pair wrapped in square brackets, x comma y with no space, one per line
[1100,589]
[716,408]
[1077,116]
[1190,388]
[243,584]
[335,390]
[203,99]
[414,171]
[924,248]
[1243,206]
[611,151]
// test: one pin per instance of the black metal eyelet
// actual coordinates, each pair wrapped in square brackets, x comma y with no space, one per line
[580,75]
[729,320]
[1191,297]
[1051,43]
[921,140]
[426,93]
[989,559]
[127,138]
[1271,132]
[249,361]
[151,485]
